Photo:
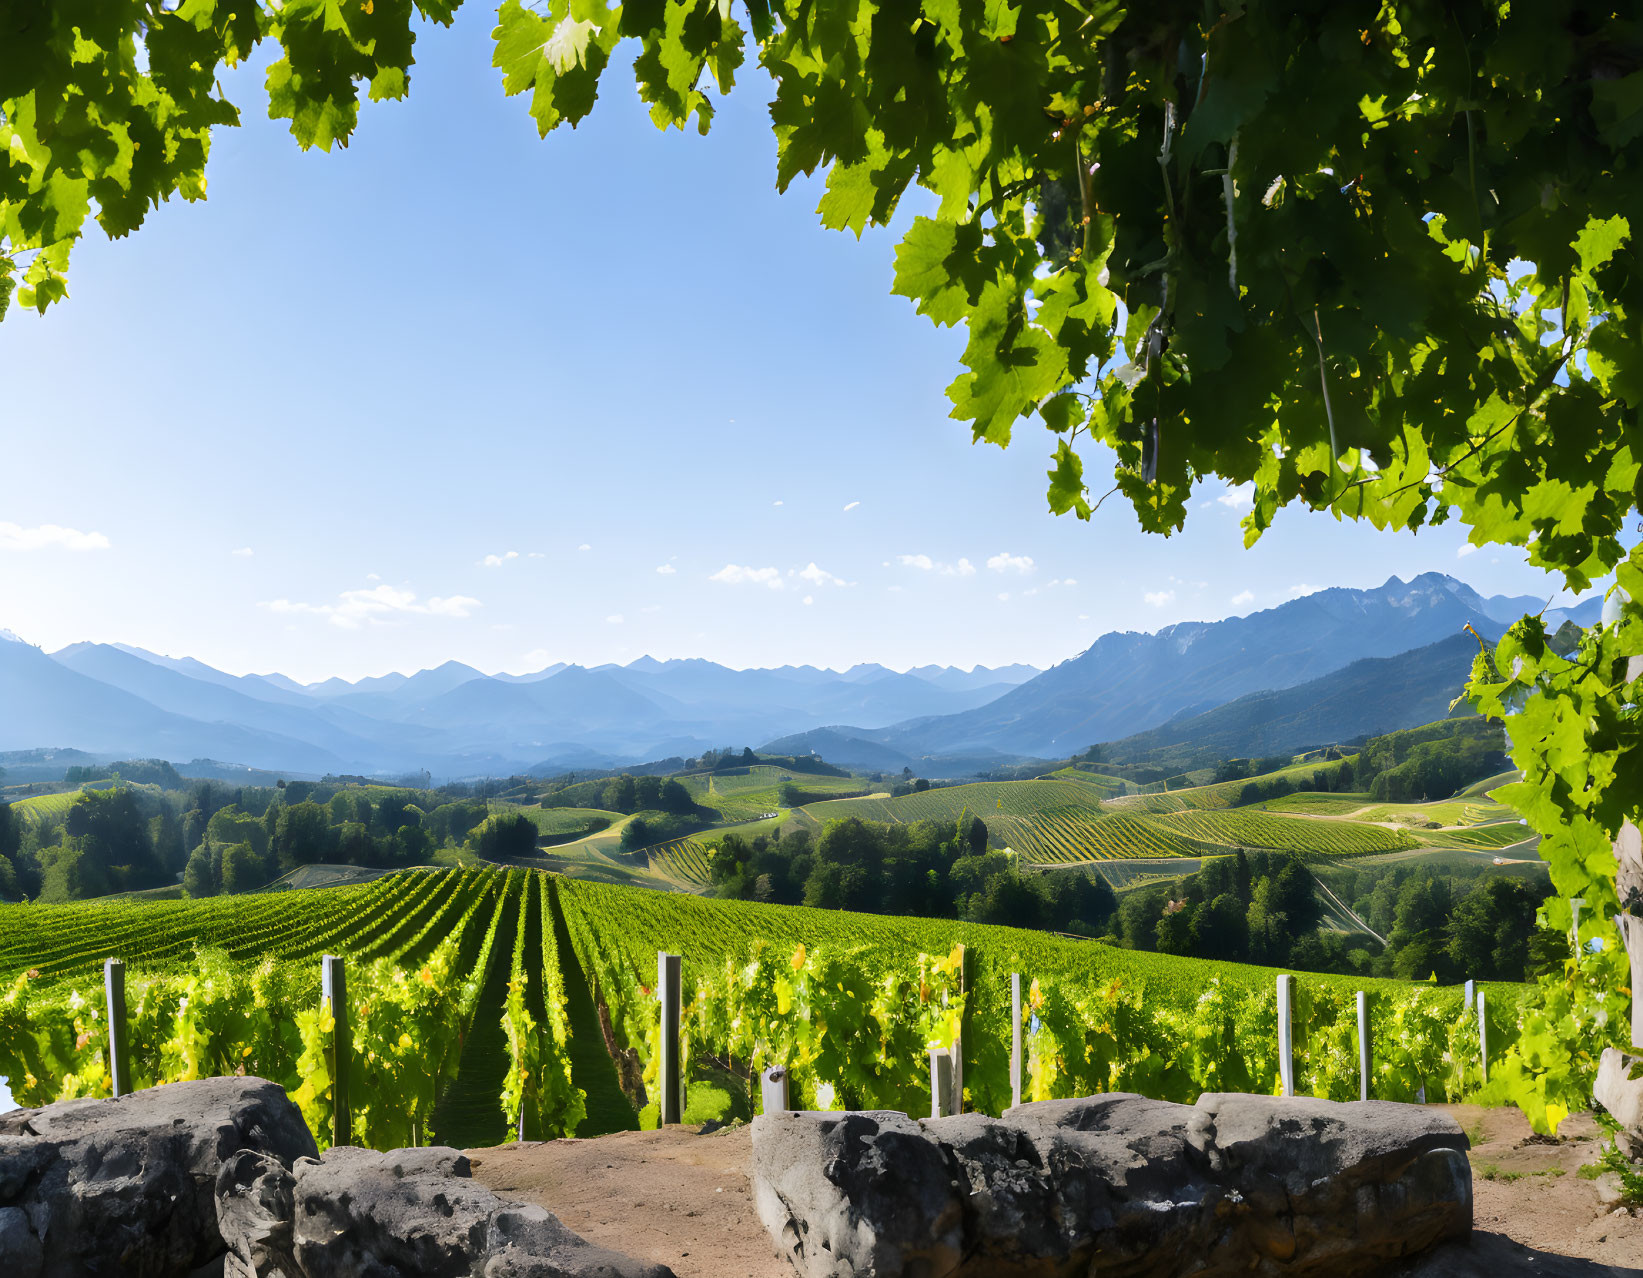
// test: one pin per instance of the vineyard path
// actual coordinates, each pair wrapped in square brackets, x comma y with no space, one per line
[591,1068]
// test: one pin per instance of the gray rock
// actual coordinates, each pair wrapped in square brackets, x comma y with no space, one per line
[414,1213]
[20,1250]
[1114,1184]
[255,1206]
[1619,1089]
[857,1193]
[128,1186]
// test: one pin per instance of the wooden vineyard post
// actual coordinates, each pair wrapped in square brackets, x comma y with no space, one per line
[1364,1061]
[1631,932]
[941,1083]
[1015,1038]
[1471,994]
[1483,1038]
[773,1097]
[119,1062]
[334,995]
[1286,1038]
[669,1105]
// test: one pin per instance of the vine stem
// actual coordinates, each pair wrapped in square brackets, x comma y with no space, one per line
[1323,380]
[1232,225]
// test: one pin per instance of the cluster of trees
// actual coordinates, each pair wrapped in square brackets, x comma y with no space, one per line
[1466,922]
[932,869]
[215,837]
[115,840]
[137,771]
[1431,762]
[628,793]
[1252,907]
[1264,907]
[240,848]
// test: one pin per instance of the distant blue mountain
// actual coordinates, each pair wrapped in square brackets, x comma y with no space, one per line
[454,720]
[1126,682]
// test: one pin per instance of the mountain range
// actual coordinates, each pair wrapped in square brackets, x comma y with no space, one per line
[117,701]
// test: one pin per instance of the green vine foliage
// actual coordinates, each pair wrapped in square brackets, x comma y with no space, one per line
[1371,257]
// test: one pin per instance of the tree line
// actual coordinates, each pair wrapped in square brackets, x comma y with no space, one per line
[932,869]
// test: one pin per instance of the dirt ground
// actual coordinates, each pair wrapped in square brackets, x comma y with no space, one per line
[1530,1189]
[684,1199]
[672,1195]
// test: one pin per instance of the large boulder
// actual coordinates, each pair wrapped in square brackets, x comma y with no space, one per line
[1619,1089]
[1114,1184]
[415,1213]
[128,1186]
[857,1193]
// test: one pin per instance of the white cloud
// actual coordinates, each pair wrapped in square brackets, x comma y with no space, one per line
[1062,581]
[536,554]
[963,568]
[16,537]
[1467,549]
[244,552]
[1028,594]
[821,577]
[371,576]
[357,607]
[496,561]
[536,658]
[1006,562]
[738,575]
[1238,495]
[667,570]
[851,506]
[1243,597]
[615,619]
[584,546]
[1158,598]
[810,599]
[1301,589]
[776,503]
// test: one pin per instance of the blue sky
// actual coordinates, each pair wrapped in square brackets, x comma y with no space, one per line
[456,392]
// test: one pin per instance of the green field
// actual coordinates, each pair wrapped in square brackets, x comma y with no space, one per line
[754,792]
[556,824]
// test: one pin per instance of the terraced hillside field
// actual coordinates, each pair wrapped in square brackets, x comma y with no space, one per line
[682,861]
[45,808]
[1062,821]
